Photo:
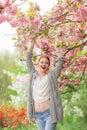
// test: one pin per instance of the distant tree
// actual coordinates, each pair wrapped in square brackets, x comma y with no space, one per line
[8,67]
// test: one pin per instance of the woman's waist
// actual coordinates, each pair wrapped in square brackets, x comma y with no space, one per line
[40,107]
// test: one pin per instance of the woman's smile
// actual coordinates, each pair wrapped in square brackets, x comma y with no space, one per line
[43,65]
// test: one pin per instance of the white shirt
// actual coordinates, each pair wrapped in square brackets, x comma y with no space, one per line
[41,89]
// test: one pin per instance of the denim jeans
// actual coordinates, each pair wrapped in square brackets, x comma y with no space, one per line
[43,121]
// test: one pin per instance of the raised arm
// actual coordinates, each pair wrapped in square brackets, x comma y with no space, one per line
[57,69]
[29,55]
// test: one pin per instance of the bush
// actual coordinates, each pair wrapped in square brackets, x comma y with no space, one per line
[11,117]
[72,123]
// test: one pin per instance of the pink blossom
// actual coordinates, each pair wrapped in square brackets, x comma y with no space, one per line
[76,82]
[43,45]
[73,52]
[12,10]
[3,18]
[82,14]
[72,39]
[75,2]
[23,19]
[60,19]
[66,58]
[13,22]
[83,60]
[66,81]
[58,9]
[62,87]
[37,20]
[80,68]
[2,3]
[51,50]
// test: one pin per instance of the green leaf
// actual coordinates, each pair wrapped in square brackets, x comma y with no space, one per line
[12,92]
[70,75]
[45,32]
[14,38]
[57,45]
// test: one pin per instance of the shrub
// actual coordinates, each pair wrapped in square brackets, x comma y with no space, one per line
[11,117]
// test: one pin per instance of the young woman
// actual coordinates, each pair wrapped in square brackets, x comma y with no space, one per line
[44,102]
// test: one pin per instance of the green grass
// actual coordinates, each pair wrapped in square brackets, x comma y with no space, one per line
[73,123]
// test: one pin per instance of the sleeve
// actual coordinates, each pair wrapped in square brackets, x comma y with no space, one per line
[57,69]
[29,62]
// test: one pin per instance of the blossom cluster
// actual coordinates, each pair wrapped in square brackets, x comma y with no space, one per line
[64,25]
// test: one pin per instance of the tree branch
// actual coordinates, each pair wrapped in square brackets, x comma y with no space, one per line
[69,49]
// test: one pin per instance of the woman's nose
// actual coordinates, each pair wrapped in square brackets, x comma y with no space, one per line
[44,63]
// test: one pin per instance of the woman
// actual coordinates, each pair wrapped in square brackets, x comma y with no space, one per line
[44,102]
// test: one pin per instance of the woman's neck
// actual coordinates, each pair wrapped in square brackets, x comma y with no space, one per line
[42,75]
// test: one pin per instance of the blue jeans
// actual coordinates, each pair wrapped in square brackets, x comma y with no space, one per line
[43,121]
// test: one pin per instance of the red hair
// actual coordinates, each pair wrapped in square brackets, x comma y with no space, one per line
[44,56]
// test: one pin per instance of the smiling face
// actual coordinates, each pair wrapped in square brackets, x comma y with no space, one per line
[43,64]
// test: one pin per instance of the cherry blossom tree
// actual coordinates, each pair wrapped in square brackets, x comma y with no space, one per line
[62,29]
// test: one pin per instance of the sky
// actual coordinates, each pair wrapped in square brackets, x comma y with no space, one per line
[7,32]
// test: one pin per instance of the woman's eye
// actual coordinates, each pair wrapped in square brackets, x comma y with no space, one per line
[44,62]
[47,63]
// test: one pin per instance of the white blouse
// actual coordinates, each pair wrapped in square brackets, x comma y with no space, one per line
[41,89]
